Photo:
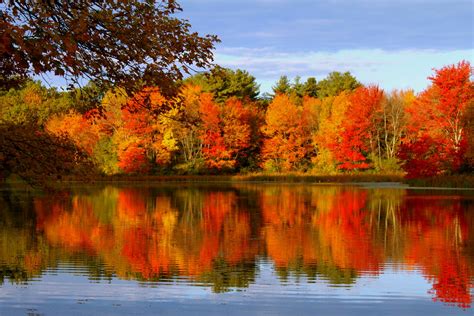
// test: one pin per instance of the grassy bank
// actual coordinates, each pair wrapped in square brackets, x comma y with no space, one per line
[455,181]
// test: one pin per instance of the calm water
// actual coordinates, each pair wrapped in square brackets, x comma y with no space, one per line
[237,249]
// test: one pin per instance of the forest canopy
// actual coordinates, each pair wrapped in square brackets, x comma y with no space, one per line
[217,125]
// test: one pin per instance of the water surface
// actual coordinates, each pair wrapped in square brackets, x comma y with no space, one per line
[236,249]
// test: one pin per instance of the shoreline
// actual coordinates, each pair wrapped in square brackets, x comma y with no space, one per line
[440,182]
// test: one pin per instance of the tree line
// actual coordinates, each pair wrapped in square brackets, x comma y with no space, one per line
[218,123]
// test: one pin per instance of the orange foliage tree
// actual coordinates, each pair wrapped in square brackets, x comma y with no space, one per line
[287,136]
[236,128]
[141,138]
[215,152]
[225,131]
[77,127]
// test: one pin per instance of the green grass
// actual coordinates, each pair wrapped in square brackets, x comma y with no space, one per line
[306,178]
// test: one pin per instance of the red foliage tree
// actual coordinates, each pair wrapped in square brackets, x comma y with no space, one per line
[133,160]
[214,149]
[436,137]
[236,127]
[359,135]
[225,131]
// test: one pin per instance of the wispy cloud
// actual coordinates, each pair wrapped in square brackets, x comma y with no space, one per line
[333,25]
[390,69]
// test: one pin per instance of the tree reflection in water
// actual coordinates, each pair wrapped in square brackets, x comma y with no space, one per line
[216,236]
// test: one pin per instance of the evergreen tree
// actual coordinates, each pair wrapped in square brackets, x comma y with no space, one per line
[282,86]
[335,83]
[298,87]
[224,83]
[310,87]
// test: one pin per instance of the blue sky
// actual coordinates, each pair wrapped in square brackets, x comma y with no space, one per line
[395,44]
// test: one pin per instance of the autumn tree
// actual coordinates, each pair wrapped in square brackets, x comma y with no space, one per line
[249,118]
[109,123]
[456,91]
[328,134]
[142,140]
[32,103]
[236,128]
[183,123]
[216,154]
[115,43]
[436,137]
[393,126]
[286,132]
[360,139]
[225,132]
[77,128]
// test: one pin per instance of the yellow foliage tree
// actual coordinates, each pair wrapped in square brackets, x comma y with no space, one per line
[287,140]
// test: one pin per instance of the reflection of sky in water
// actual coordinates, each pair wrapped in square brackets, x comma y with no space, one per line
[392,291]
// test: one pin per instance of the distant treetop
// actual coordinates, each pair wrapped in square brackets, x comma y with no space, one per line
[335,83]
[224,83]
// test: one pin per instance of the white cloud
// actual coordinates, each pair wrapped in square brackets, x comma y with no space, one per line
[390,69]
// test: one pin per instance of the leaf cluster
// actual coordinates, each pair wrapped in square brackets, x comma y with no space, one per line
[114,43]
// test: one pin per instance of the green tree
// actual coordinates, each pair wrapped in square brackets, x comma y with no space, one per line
[335,83]
[32,104]
[297,87]
[282,86]
[310,87]
[106,157]
[225,83]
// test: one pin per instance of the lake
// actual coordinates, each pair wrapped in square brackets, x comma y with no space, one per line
[237,249]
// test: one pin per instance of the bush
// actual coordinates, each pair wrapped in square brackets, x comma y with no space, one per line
[390,165]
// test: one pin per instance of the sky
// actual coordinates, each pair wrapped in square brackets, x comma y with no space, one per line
[393,43]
